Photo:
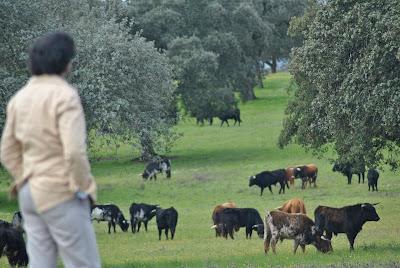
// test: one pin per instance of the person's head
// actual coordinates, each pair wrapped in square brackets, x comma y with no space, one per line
[51,54]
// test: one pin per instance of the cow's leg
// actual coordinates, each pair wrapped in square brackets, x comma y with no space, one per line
[295,245]
[113,224]
[369,187]
[376,186]
[270,189]
[359,178]
[274,240]
[138,227]
[109,227]
[351,238]
[303,248]
[363,176]
[267,241]
[159,233]
[145,225]
[166,233]
[249,232]
[133,226]
[222,122]
[262,190]
[155,177]
[231,233]
[349,178]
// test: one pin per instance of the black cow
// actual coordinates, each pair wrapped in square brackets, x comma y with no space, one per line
[230,114]
[348,170]
[12,245]
[166,219]
[268,178]
[141,213]
[18,221]
[348,220]
[158,166]
[233,218]
[373,176]
[111,214]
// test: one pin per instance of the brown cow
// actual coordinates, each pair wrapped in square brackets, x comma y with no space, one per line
[294,205]
[307,173]
[290,171]
[216,215]
[280,225]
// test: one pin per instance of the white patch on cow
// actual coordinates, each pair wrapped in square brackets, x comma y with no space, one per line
[97,214]
[164,166]
[140,215]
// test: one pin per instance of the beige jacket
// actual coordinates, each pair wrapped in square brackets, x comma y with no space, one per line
[44,141]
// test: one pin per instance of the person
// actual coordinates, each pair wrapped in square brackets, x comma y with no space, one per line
[43,147]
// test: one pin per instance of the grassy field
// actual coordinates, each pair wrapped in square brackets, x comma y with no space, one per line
[211,165]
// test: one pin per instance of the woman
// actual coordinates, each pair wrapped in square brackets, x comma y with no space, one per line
[44,148]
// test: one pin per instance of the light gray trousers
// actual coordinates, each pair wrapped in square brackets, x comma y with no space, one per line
[65,229]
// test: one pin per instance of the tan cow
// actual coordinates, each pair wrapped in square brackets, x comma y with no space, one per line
[294,205]
[216,215]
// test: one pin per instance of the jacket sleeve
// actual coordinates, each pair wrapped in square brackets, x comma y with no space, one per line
[11,148]
[72,129]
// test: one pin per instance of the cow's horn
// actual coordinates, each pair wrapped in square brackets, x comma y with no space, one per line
[214,227]
[374,204]
[278,208]
[324,238]
[140,174]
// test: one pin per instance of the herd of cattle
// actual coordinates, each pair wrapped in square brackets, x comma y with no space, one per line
[286,222]
[291,222]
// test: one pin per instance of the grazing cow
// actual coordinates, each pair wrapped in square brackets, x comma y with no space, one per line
[234,218]
[373,176]
[348,170]
[166,219]
[294,205]
[348,220]
[18,221]
[230,114]
[111,214]
[307,173]
[280,225]
[158,166]
[141,213]
[268,178]
[216,215]
[12,245]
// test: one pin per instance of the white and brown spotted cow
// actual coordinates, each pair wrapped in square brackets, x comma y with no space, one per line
[298,227]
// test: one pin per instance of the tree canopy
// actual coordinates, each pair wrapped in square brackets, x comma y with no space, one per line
[348,77]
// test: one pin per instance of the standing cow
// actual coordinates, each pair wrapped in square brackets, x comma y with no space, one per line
[307,173]
[216,215]
[155,167]
[141,213]
[348,220]
[234,218]
[348,170]
[166,219]
[111,214]
[373,176]
[230,114]
[269,178]
[298,227]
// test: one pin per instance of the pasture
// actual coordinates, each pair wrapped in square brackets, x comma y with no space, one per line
[211,165]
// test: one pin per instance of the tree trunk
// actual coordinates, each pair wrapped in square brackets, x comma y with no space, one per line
[248,94]
[273,65]
[259,74]
[147,149]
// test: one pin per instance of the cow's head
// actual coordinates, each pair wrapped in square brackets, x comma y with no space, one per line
[260,229]
[252,180]
[124,224]
[298,172]
[219,228]
[323,244]
[145,175]
[368,212]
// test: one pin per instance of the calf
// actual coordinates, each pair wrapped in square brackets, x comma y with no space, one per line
[294,205]
[348,170]
[141,213]
[111,214]
[280,225]
[155,167]
[348,220]
[216,215]
[230,114]
[307,173]
[373,176]
[234,218]
[268,178]
[166,219]
[12,245]
[18,221]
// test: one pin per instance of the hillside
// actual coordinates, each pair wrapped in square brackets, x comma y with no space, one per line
[211,165]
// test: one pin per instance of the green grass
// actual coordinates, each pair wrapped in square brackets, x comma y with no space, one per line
[211,165]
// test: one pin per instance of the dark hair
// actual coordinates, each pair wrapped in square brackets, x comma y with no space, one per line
[51,53]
